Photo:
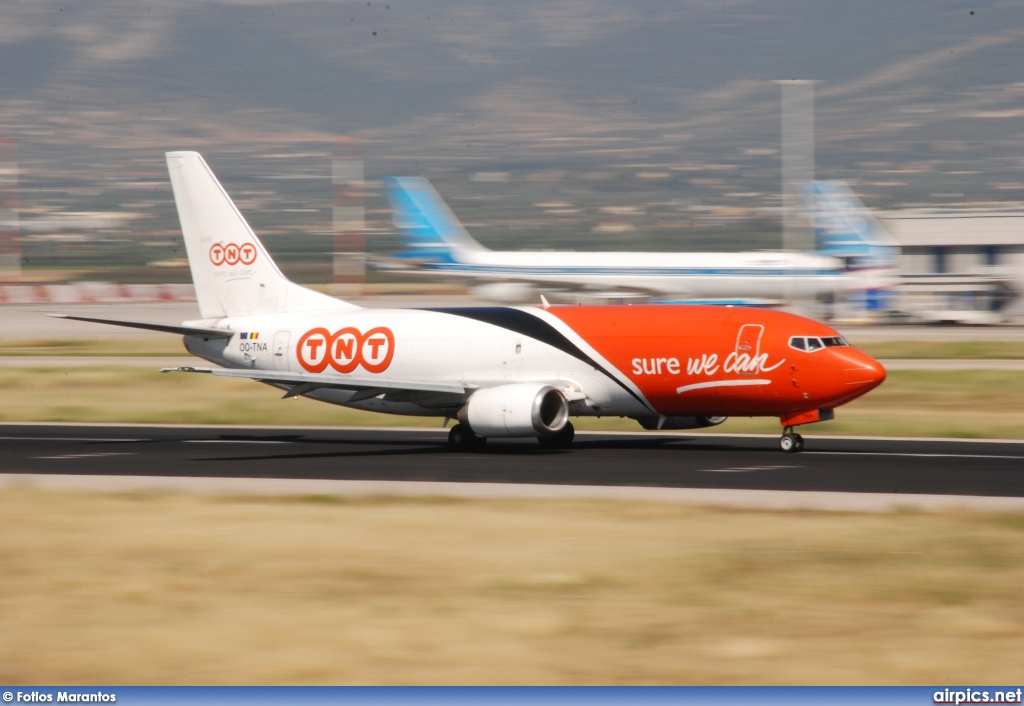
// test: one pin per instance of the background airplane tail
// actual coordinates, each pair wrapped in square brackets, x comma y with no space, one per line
[845,228]
[232,272]
[430,231]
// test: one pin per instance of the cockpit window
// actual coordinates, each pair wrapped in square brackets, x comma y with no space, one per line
[814,343]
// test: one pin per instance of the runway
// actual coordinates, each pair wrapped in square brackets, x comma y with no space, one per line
[893,467]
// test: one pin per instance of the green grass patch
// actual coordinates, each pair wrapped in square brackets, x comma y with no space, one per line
[78,347]
[941,350]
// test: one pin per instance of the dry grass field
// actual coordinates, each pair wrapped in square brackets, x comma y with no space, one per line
[157,588]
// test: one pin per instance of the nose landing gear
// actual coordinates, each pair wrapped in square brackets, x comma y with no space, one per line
[791,442]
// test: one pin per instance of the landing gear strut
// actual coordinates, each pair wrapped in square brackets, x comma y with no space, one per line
[462,438]
[791,442]
[561,440]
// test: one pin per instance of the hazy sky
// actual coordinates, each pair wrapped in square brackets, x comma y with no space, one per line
[350,66]
[664,80]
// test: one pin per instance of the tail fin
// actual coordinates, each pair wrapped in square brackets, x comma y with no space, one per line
[429,228]
[232,272]
[845,228]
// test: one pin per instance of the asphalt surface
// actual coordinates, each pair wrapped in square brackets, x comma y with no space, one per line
[677,460]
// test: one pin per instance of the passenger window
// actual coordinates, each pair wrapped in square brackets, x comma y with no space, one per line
[798,343]
[813,344]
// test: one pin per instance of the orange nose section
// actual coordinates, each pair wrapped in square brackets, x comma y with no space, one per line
[863,373]
[850,374]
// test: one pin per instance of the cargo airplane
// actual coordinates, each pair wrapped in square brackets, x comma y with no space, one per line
[499,371]
[437,244]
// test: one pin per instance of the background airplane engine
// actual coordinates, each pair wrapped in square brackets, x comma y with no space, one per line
[651,423]
[507,292]
[521,409]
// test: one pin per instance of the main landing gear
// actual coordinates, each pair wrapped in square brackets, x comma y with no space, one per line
[462,438]
[561,440]
[791,442]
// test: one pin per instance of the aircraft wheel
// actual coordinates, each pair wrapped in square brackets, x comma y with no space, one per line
[561,440]
[461,438]
[791,443]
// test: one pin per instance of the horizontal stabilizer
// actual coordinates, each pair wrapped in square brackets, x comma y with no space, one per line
[150,326]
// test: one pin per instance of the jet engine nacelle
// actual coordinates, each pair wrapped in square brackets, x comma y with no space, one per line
[651,423]
[519,409]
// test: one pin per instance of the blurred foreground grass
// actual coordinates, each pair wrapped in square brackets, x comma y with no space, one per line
[968,404]
[159,588]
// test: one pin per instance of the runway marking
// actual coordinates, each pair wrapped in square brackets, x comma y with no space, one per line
[65,438]
[912,455]
[83,456]
[232,441]
[124,441]
[745,469]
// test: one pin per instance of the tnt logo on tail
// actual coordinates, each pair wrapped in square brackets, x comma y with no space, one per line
[232,254]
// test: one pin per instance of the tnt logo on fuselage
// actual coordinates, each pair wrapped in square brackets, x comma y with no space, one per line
[345,350]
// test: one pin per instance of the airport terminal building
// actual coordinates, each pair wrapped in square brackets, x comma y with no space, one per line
[960,267]
[963,267]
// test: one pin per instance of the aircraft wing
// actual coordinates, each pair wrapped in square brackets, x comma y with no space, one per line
[303,383]
[364,388]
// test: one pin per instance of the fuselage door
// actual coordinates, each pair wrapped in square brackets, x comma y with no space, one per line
[281,339]
[748,348]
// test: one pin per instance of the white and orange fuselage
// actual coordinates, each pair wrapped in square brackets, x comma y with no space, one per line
[633,361]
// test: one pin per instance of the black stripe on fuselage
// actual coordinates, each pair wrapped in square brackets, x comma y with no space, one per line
[529,325]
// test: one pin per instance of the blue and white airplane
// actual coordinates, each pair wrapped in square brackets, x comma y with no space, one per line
[437,244]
